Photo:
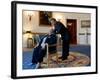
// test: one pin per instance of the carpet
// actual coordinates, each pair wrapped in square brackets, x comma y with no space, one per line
[75,59]
[81,49]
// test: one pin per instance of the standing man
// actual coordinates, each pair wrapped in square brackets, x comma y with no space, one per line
[59,28]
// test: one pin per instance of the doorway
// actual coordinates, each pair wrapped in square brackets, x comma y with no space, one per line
[72,28]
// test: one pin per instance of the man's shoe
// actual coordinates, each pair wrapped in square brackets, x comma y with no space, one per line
[60,57]
[65,58]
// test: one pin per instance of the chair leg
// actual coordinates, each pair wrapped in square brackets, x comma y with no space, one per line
[48,61]
[48,56]
[57,57]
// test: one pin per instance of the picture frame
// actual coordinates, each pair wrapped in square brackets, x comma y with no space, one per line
[17,71]
[85,23]
[44,17]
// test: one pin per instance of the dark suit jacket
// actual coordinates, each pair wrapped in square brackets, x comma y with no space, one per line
[61,29]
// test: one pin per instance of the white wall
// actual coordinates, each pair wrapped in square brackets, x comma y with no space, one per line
[34,26]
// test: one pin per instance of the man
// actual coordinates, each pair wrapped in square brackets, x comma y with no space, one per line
[59,28]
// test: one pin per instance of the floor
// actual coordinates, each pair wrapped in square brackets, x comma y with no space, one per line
[27,54]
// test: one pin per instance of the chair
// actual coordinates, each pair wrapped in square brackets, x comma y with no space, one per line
[49,55]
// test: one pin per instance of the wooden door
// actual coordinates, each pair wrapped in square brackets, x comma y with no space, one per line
[72,27]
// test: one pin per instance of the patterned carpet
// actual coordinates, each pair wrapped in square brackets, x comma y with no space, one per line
[83,53]
[75,59]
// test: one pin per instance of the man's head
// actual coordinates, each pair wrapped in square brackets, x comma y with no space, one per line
[53,21]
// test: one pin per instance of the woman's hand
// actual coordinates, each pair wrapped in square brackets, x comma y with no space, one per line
[53,27]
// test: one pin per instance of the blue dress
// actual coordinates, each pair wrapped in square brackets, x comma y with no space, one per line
[39,53]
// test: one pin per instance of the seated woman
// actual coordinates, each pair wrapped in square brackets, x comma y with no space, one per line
[40,50]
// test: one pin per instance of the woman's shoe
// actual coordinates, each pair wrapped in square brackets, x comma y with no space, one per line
[37,66]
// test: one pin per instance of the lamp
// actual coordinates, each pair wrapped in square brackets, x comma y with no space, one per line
[29,14]
[30,17]
[28,32]
[29,39]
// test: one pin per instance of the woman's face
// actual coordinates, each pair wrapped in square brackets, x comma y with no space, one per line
[50,30]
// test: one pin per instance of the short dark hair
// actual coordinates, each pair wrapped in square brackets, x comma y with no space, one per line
[52,19]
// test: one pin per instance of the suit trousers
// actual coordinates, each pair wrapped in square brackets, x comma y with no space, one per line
[65,49]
